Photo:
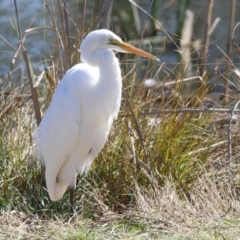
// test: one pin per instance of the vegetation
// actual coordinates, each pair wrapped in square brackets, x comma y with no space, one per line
[170,168]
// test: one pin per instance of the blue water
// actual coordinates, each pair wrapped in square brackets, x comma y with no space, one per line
[31,15]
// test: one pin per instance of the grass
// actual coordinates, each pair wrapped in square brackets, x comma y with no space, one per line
[171,222]
[161,175]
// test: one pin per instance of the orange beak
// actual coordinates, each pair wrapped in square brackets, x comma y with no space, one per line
[128,48]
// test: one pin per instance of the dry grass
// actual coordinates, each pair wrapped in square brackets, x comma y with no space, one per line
[211,216]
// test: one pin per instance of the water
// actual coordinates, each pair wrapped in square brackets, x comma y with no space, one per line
[30,15]
[38,43]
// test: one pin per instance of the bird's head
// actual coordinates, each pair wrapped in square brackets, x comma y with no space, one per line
[105,39]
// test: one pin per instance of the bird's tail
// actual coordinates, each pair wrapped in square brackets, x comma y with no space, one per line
[55,189]
[60,189]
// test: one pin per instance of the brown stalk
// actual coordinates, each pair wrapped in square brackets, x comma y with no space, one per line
[79,33]
[229,47]
[58,37]
[204,52]
[30,80]
[65,32]
[33,89]
[83,16]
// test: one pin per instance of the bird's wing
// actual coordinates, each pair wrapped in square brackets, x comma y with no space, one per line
[59,131]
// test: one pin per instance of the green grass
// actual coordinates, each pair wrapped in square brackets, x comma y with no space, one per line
[159,176]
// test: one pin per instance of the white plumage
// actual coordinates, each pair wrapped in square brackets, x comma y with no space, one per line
[84,105]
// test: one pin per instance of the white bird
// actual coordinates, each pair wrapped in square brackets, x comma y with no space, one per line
[84,105]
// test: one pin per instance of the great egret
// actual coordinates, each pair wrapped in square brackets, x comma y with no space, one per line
[84,105]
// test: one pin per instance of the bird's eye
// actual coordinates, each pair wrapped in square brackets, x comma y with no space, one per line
[112,41]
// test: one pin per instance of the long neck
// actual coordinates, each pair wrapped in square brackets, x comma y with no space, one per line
[109,85]
[109,71]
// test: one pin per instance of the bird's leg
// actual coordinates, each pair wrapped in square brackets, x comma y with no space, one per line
[72,189]
[72,200]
